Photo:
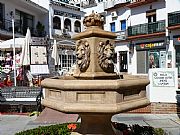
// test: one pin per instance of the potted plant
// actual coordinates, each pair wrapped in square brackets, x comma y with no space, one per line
[40,28]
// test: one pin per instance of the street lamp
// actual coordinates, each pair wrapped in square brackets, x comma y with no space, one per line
[14,51]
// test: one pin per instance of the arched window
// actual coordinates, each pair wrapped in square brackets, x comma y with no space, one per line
[77,26]
[67,24]
[56,23]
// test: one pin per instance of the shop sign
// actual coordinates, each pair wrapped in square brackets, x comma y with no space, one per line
[145,46]
[176,40]
[163,78]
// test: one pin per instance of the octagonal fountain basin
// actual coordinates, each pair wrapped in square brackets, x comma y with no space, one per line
[98,96]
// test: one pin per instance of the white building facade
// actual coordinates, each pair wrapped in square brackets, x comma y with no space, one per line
[64,20]
[147,39]
[26,14]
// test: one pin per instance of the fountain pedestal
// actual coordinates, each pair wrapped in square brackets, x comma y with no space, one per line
[95,92]
[95,124]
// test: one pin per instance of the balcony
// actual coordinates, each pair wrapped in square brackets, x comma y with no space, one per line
[174,20]
[65,3]
[5,26]
[121,35]
[88,4]
[59,33]
[147,28]
[115,4]
[6,29]
[136,3]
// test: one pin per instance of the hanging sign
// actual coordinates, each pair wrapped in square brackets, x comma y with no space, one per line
[176,40]
[147,46]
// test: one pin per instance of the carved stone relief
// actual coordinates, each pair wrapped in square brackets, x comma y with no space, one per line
[93,20]
[106,55]
[83,54]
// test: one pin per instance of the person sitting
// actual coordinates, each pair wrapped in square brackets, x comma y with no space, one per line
[8,81]
[8,60]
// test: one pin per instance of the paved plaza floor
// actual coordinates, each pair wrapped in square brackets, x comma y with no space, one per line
[11,124]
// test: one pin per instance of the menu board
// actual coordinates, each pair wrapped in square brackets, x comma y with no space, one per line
[39,69]
[38,55]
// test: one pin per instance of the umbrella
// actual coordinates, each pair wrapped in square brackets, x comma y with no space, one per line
[8,44]
[25,58]
[55,54]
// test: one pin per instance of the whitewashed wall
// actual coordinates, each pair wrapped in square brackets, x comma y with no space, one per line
[172,5]
[43,3]
[97,9]
[138,14]
[11,6]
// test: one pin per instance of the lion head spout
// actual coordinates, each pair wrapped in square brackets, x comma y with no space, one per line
[83,54]
[105,56]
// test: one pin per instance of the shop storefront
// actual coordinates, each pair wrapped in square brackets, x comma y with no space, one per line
[150,55]
[176,42]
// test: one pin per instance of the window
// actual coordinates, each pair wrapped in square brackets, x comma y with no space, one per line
[123,25]
[123,65]
[142,62]
[115,58]
[77,26]
[178,58]
[151,15]
[112,27]
[67,24]
[1,11]
[150,59]
[64,60]
[151,18]
[56,23]
[1,15]
[23,21]
[67,60]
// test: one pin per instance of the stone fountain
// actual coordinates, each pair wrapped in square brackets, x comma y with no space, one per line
[95,91]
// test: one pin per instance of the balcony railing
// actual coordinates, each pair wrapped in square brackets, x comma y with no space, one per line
[174,19]
[6,25]
[121,35]
[20,92]
[136,3]
[147,28]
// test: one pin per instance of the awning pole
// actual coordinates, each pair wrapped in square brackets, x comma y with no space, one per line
[14,51]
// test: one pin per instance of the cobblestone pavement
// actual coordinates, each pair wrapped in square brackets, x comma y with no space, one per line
[11,124]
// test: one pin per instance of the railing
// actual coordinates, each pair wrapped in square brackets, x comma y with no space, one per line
[88,4]
[110,4]
[121,35]
[173,18]
[133,1]
[20,92]
[6,25]
[22,96]
[147,28]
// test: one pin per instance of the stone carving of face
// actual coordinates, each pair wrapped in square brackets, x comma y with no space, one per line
[109,51]
[106,55]
[80,51]
[82,54]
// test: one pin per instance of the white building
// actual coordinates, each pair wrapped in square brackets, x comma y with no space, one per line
[65,20]
[26,14]
[147,38]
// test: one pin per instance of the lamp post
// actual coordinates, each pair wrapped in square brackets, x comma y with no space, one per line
[14,51]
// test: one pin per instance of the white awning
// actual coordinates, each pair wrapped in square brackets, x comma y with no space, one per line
[8,44]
